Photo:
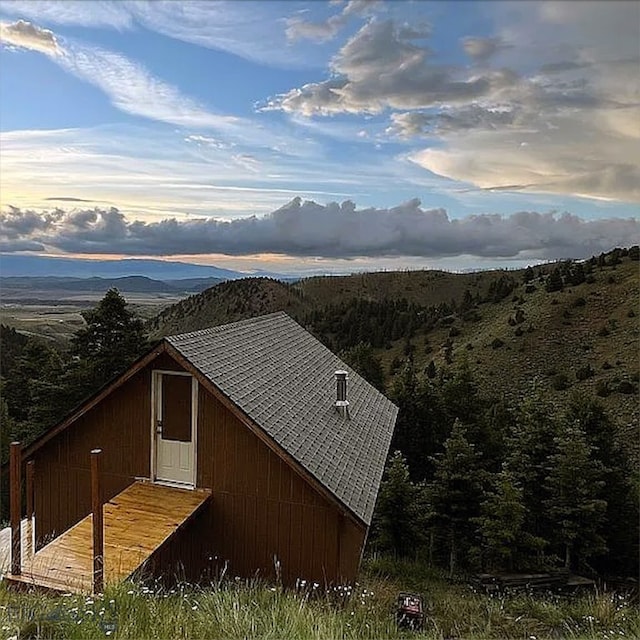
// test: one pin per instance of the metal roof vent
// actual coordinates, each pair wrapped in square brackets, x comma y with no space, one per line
[342,404]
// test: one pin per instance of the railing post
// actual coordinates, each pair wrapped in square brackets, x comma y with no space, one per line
[30,508]
[98,533]
[15,489]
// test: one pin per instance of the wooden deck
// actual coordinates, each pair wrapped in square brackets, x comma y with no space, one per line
[137,522]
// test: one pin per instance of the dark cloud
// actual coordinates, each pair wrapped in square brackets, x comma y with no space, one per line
[334,230]
[67,199]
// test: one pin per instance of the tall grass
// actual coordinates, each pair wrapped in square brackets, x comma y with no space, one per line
[239,609]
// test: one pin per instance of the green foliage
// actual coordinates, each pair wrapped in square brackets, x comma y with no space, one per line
[113,338]
[575,503]
[501,525]
[363,360]
[238,610]
[401,512]
[456,493]
[554,281]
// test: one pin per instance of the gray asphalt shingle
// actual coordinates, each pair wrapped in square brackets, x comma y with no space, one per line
[283,378]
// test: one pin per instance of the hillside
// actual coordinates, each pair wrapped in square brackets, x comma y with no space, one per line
[514,333]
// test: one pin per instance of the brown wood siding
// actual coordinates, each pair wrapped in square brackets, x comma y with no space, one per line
[262,510]
[120,426]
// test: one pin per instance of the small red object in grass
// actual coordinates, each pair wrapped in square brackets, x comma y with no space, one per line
[410,612]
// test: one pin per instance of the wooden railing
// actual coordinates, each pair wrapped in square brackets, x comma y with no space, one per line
[15,496]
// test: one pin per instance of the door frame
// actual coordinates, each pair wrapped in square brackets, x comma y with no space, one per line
[156,378]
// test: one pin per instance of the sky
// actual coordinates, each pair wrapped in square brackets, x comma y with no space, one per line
[319,136]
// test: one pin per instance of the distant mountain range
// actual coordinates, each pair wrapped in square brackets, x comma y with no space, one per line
[44,266]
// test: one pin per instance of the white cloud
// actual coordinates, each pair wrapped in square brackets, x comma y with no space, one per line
[331,231]
[28,36]
[552,104]
[300,29]
[381,68]
[71,12]
[131,88]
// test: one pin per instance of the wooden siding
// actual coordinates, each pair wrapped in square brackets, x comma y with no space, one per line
[120,425]
[261,508]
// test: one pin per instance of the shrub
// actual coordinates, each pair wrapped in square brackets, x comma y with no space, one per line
[606,365]
[519,331]
[454,331]
[603,332]
[579,302]
[631,313]
[496,343]
[602,388]
[560,382]
[583,373]
[626,387]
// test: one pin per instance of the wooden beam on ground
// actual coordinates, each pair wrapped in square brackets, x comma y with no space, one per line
[98,526]
[15,488]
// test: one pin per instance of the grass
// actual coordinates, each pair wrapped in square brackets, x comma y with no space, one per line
[239,609]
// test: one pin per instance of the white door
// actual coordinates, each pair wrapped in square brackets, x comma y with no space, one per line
[175,427]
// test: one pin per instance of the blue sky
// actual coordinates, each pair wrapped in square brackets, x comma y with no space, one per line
[304,136]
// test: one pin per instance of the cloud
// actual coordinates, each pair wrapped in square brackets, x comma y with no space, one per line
[300,29]
[379,68]
[481,49]
[305,228]
[72,12]
[28,36]
[252,30]
[551,105]
[132,89]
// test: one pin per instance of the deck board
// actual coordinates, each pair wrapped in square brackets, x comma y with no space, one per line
[137,522]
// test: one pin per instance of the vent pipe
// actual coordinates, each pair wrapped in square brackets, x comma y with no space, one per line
[342,404]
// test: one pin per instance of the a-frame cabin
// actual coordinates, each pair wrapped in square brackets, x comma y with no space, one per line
[236,446]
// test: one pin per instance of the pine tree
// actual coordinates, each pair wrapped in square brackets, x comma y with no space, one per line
[501,523]
[456,493]
[401,513]
[113,338]
[529,445]
[575,497]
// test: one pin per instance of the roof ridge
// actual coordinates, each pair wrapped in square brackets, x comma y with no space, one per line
[225,327]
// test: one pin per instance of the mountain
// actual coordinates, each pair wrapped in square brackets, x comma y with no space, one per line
[557,328]
[17,287]
[38,266]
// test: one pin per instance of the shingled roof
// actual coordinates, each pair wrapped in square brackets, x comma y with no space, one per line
[283,379]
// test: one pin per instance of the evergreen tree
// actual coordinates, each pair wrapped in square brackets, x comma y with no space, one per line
[456,493]
[422,424]
[554,281]
[113,338]
[363,360]
[620,477]
[529,445]
[401,512]
[575,497]
[501,523]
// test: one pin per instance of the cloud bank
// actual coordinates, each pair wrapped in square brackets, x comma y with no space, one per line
[549,103]
[306,228]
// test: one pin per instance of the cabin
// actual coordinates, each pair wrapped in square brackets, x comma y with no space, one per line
[248,449]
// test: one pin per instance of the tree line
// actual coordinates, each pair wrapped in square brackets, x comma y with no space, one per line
[473,484]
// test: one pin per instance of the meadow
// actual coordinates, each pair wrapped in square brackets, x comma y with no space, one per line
[234,608]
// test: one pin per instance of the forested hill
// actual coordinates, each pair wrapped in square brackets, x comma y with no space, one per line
[557,327]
